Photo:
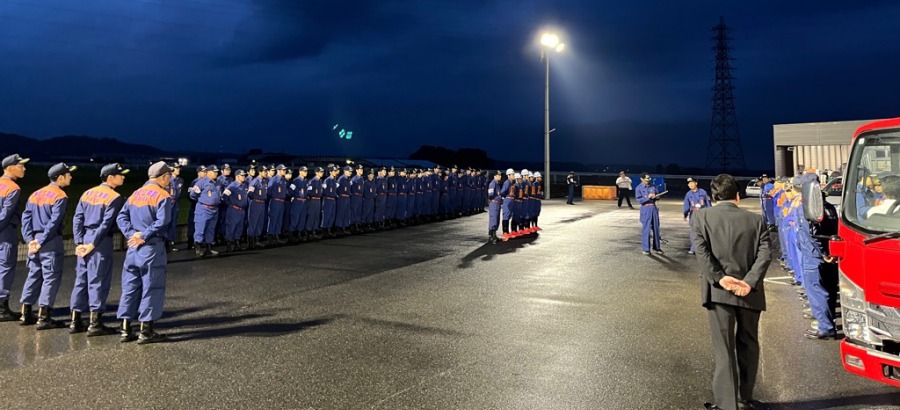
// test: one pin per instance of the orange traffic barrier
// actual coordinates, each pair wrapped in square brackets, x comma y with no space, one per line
[598,192]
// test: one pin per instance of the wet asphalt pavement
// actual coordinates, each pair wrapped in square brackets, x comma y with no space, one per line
[430,317]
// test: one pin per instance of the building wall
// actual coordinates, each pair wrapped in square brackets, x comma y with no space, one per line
[819,145]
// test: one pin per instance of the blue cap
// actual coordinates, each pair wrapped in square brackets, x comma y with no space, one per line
[348,168]
[212,168]
[59,170]
[14,159]
[112,169]
[280,167]
[240,172]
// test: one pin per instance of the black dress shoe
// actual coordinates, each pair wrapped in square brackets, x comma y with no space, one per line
[746,405]
[710,406]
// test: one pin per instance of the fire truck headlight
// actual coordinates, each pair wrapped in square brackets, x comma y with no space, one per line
[852,296]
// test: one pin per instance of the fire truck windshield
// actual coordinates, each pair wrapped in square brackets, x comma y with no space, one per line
[872,185]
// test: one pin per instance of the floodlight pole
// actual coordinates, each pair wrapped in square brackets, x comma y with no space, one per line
[547,177]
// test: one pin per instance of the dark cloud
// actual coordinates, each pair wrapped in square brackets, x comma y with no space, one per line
[234,74]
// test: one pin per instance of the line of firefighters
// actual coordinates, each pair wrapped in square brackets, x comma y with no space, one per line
[265,206]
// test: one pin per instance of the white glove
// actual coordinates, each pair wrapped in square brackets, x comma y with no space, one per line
[251,189]
[293,187]
[324,185]
[309,188]
[227,192]
[338,185]
[196,189]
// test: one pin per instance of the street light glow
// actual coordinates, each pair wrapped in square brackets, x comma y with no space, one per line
[560,47]
[549,40]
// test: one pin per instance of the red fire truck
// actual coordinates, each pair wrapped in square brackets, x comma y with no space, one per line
[868,251]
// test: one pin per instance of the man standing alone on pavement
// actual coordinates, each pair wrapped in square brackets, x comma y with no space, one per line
[733,254]
[623,189]
[570,182]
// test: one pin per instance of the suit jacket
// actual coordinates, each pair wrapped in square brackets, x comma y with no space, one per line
[734,242]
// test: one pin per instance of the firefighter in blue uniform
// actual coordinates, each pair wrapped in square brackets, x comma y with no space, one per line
[496,202]
[777,202]
[525,208]
[10,193]
[402,197]
[539,196]
[507,201]
[258,191]
[288,201]
[390,209]
[356,198]
[793,212]
[236,201]
[412,187]
[297,225]
[380,197]
[765,200]
[208,196]
[813,262]
[93,228]
[427,190]
[277,189]
[201,173]
[329,199]
[175,191]
[695,200]
[451,189]
[42,226]
[223,180]
[251,175]
[436,187]
[646,195]
[444,199]
[369,195]
[143,220]
[314,190]
[342,203]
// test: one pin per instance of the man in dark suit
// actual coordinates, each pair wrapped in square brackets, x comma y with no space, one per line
[733,253]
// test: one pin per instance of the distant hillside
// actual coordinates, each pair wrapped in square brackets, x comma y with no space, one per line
[72,145]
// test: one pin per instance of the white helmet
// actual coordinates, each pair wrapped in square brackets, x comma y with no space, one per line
[510,171]
[517,176]
[537,174]
[525,172]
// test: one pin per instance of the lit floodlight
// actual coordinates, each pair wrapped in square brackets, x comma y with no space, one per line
[549,40]
[560,47]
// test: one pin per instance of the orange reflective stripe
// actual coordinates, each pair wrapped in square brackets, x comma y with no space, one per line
[47,195]
[100,195]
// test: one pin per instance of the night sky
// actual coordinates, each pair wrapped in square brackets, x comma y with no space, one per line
[632,86]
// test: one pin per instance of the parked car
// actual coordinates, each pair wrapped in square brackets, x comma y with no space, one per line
[753,189]
[834,189]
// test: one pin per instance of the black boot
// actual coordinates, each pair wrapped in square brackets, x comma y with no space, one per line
[261,242]
[97,328]
[209,250]
[7,315]
[77,325]
[281,239]
[170,246]
[303,237]
[126,333]
[506,226]
[148,335]
[244,245]
[190,244]
[27,318]
[46,322]
[199,250]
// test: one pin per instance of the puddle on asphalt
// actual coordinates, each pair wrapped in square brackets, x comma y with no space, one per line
[23,345]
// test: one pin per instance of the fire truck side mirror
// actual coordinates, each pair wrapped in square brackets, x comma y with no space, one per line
[837,247]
